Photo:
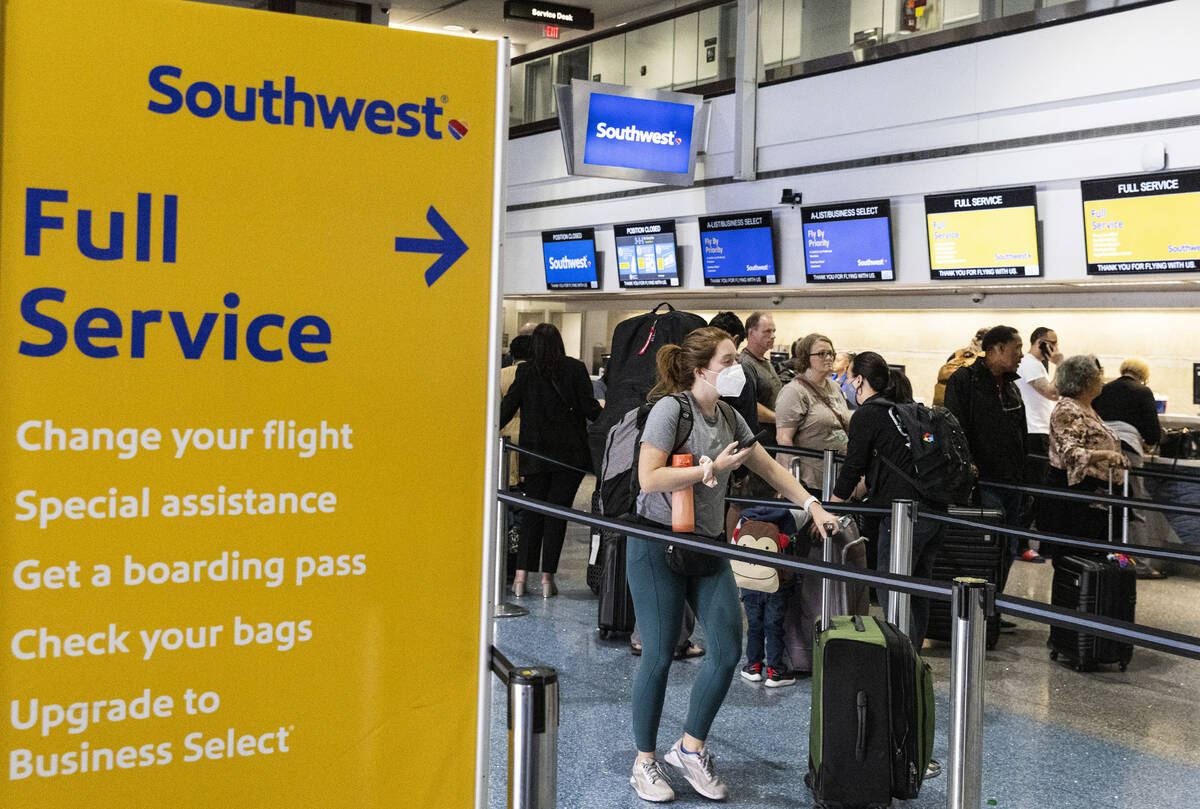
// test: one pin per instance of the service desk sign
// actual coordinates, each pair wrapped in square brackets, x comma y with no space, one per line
[245,315]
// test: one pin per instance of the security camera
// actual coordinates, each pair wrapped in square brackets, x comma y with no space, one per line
[776,300]
[977,297]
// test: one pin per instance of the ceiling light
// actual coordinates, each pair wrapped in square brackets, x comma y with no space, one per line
[453,28]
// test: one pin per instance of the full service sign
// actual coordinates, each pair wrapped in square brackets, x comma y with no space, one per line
[222,548]
[1142,224]
[983,234]
[848,242]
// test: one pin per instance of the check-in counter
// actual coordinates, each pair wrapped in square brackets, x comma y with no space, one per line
[1171,421]
[1183,492]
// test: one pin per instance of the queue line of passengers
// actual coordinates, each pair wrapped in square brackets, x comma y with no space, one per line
[831,401]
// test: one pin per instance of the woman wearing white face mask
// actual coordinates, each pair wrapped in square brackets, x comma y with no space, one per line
[701,370]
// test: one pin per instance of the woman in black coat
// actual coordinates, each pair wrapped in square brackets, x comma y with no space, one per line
[554,394]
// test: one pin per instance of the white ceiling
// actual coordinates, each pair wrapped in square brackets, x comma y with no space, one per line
[485,18]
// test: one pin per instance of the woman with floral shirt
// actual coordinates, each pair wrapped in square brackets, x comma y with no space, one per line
[1084,454]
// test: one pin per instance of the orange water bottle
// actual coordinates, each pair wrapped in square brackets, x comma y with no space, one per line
[683,512]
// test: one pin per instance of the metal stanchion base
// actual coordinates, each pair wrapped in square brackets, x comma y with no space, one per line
[507,610]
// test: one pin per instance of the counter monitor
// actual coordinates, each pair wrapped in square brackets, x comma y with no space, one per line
[849,241]
[570,258]
[738,249]
[983,234]
[646,254]
[1145,223]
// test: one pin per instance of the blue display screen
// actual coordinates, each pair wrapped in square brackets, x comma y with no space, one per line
[738,249]
[851,242]
[570,257]
[638,133]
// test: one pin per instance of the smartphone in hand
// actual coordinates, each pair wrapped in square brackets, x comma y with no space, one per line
[752,440]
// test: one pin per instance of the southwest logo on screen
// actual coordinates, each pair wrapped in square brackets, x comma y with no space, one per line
[635,135]
[565,263]
[277,104]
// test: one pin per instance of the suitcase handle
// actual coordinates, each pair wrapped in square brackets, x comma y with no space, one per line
[860,745]
[858,623]
[670,308]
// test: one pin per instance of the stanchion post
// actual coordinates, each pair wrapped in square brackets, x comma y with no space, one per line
[973,599]
[1125,511]
[533,738]
[904,515]
[501,609]
[830,551]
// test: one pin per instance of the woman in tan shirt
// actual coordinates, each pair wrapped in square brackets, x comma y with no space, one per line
[810,411]
[1083,452]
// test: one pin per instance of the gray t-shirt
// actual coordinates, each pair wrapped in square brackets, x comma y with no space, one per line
[708,437]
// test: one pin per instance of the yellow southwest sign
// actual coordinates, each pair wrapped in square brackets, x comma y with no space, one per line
[244,324]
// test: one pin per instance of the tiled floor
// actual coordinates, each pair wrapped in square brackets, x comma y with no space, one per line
[1053,738]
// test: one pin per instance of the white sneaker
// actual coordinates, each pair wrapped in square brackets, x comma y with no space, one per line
[649,781]
[697,768]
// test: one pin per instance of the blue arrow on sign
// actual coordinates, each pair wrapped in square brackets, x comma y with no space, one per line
[450,246]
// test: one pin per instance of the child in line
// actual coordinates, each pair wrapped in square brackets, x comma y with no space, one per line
[765,611]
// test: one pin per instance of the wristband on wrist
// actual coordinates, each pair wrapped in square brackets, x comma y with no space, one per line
[811,499]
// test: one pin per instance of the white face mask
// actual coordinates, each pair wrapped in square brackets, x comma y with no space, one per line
[730,381]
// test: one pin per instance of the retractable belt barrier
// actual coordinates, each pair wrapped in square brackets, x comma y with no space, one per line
[1188,557]
[519,449]
[1141,471]
[1171,642]
[971,600]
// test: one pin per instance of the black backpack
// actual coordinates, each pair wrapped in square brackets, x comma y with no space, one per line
[631,369]
[942,469]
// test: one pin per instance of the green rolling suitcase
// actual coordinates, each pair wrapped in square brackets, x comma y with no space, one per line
[871,729]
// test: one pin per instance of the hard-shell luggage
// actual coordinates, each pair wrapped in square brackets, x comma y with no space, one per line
[615,613]
[1101,586]
[804,605]
[631,369]
[871,728]
[596,535]
[966,551]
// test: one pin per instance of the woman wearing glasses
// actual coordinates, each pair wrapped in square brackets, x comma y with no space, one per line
[810,413]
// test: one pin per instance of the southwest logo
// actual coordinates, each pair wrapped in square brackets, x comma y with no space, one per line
[635,135]
[566,263]
[457,128]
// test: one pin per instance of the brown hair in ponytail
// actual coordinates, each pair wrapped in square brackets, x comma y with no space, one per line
[677,364]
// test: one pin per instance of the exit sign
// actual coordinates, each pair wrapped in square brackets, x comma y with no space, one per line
[550,32]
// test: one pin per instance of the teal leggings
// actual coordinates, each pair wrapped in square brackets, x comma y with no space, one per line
[658,599]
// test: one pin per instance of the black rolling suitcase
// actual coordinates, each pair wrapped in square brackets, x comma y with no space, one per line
[1099,586]
[967,552]
[871,729]
[615,614]
[596,535]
